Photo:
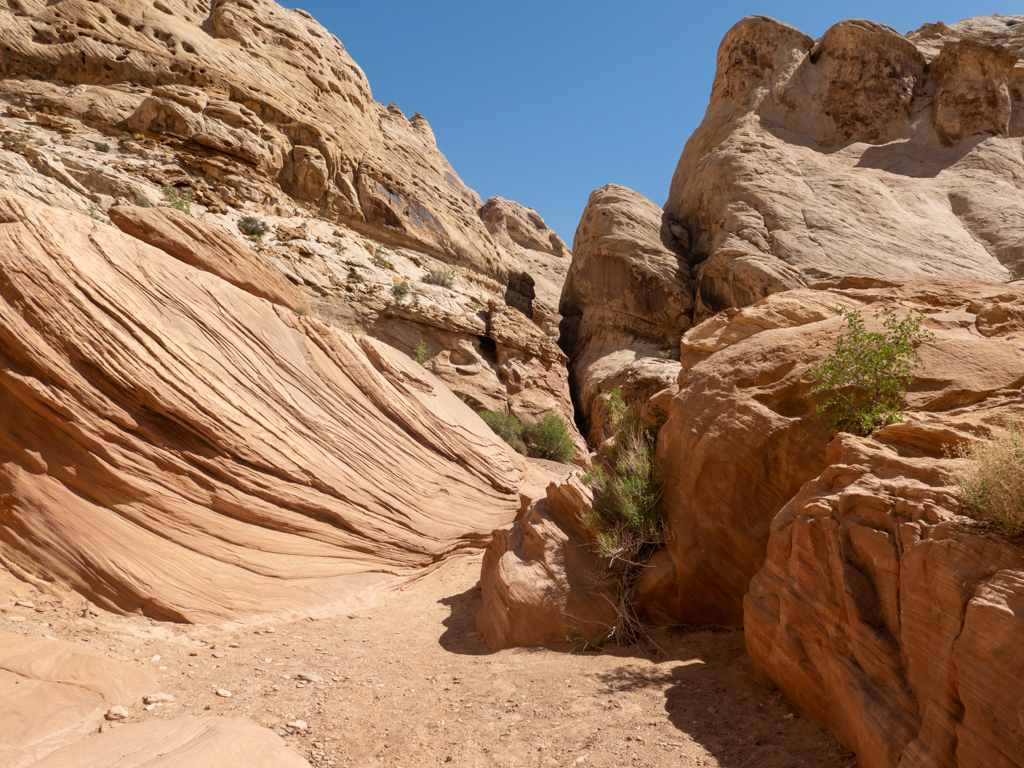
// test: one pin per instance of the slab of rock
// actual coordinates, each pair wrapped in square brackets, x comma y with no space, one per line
[206,247]
[206,455]
[865,152]
[541,579]
[885,615]
[626,298]
[53,693]
[741,437]
[180,743]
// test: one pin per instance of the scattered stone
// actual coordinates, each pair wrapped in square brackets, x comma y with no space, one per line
[116,713]
[753,740]
[159,698]
[25,604]
[309,677]
[16,618]
[155,658]
[219,654]
[712,711]
[223,693]
[298,725]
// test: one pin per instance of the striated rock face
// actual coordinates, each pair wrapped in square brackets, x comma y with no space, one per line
[863,153]
[175,446]
[53,693]
[888,617]
[741,440]
[540,579]
[626,298]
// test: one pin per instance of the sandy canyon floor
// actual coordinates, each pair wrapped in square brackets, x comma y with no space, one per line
[409,682]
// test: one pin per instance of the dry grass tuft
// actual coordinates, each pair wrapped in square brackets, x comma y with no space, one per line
[992,484]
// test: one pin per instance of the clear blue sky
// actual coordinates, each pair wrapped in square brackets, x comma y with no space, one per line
[543,102]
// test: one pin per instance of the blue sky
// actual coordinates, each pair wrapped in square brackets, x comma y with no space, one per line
[543,102]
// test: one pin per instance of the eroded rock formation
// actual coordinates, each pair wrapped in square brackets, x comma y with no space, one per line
[176,446]
[863,153]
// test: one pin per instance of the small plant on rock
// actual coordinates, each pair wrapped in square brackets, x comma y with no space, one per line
[868,373]
[355,277]
[626,519]
[380,259]
[507,427]
[400,289]
[101,146]
[179,199]
[445,277]
[421,352]
[142,202]
[339,247]
[253,226]
[549,439]
[992,483]
[302,310]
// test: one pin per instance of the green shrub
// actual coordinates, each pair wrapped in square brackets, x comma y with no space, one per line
[301,310]
[444,277]
[180,200]
[400,289]
[101,146]
[992,484]
[355,277]
[868,373]
[142,202]
[507,427]
[20,137]
[253,226]
[421,352]
[380,259]
[625,519]
[549,439]
[339,247]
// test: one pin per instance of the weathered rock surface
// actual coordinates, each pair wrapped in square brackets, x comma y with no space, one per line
[53,693]
[206,247]
[888,617]
[741,440]
[541,580]
[626,298]
[175,446]
[863,153]
[179,743]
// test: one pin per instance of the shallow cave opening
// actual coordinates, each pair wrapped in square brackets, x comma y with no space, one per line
[488,348]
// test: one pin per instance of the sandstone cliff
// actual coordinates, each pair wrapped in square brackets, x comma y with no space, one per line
[866,152]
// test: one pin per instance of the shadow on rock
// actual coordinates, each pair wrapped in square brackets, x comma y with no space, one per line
[460,635]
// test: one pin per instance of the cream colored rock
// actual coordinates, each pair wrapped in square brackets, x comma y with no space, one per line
[53,693]
[541,579]
[886,616]
[741,438]
[626,299]
[865,152]
[179,743]
[207,456]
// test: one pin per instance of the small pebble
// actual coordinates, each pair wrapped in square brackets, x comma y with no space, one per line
[116,713]
[712,711]
[159,698]
[223,694]
[299,725]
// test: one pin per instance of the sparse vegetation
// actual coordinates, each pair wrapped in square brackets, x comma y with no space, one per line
[626,519]
[400,289]
[445,277]
[868,373]
[1011,275]
[547,439]
[380,259]
[101,146]
[142,202]
[992,484]
[666,354]
[301,310]
[355,277]
[253,226]
[19,137]
[421,352]
[179,199]
[339,247]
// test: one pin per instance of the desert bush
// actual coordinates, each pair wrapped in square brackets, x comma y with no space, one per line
[400,289]
[507,427]
[421,352]
[992,483]
[180,200]
[142,202]
[253,226]
[355,277]
[625,519]
[380,258]
[301,310]
[549,439]
[445,276]
[868,373]
[101,146]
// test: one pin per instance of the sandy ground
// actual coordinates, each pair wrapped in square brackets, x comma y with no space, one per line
[410,682]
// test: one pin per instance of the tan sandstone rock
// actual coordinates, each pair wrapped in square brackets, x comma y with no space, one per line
[53,693]
[626,298]
[741,438]
[887,616]
[179,743]
[175,446]
[863,153]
